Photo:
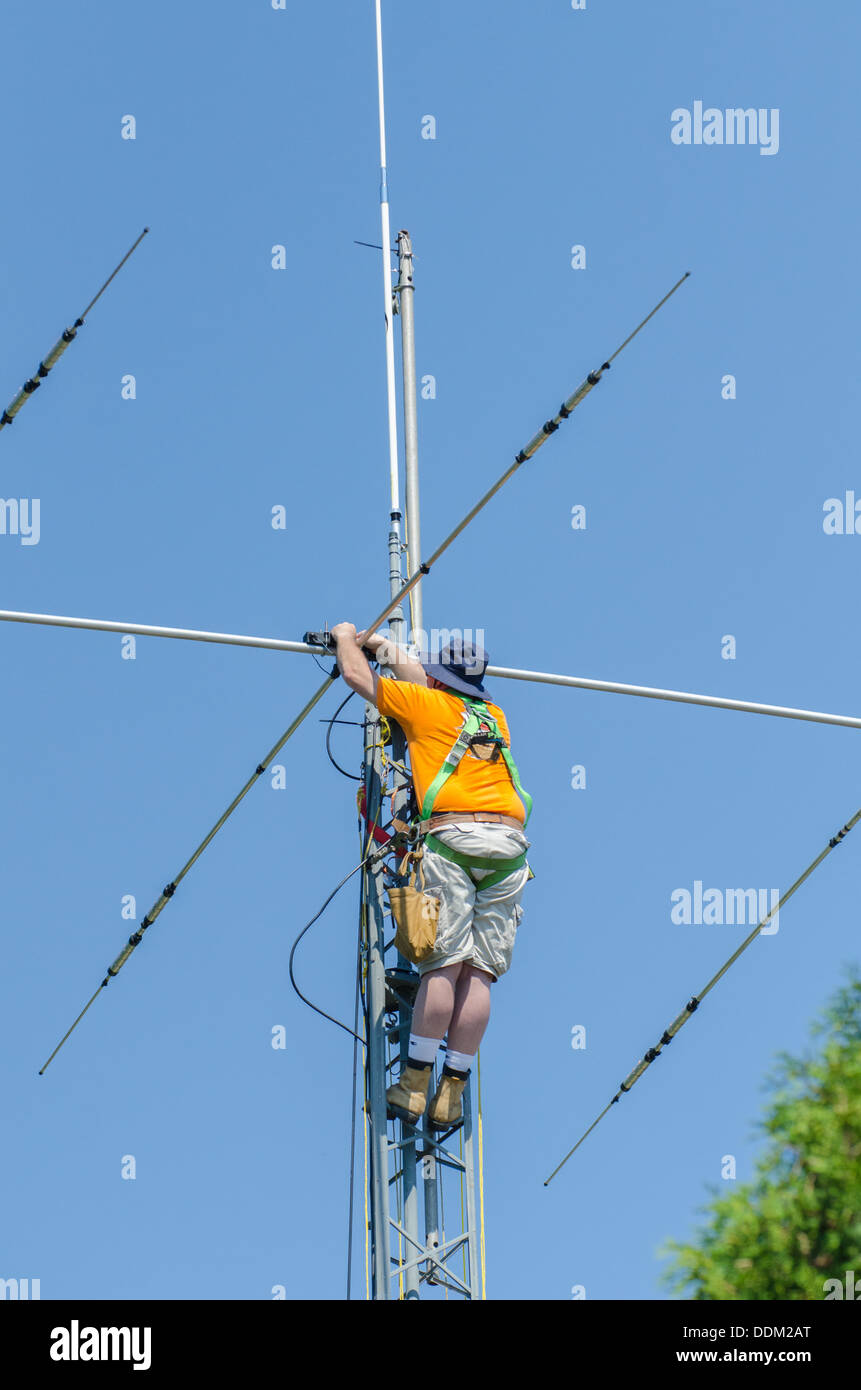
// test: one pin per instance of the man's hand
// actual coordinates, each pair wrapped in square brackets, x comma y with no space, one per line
[371,644]
[387,652]
[349,644]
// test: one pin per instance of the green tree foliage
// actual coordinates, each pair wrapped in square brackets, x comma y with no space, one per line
[798,1224]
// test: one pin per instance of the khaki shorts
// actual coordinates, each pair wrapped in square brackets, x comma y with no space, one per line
[475,925]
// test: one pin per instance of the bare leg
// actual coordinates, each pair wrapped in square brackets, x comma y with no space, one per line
[435,1002]
[471,1012]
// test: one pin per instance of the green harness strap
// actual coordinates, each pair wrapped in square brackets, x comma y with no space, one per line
[474,861]
[478,721]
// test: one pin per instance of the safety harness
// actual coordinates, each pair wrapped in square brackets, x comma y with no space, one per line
[479,729]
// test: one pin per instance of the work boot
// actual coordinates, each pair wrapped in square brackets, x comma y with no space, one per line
[446,1107]
[408,1097]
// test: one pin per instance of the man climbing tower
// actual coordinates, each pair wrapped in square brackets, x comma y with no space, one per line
[469,793]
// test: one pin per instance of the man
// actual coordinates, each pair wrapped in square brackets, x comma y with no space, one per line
[469,794]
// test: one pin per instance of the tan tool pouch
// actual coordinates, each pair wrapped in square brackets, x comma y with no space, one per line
[416,914]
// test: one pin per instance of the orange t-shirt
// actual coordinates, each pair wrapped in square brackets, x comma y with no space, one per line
[431,721]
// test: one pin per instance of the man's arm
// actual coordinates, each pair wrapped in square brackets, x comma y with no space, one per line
[352,662]
[388,653]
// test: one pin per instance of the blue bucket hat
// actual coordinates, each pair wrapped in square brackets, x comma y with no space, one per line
[461,666]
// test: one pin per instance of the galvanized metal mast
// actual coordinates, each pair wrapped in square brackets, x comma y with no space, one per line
[373,901]
[398,1249]
[398,1167]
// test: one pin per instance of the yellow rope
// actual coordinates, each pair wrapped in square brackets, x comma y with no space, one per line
[400,1247]
[481,1183]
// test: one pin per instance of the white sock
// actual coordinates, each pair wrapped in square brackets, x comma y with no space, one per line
[423,1050]
[459,1061]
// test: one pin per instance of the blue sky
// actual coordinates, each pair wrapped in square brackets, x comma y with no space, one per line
[258,387]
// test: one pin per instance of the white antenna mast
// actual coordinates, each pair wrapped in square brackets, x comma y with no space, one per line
[387,278]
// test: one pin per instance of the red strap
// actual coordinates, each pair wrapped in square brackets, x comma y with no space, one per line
[378,833]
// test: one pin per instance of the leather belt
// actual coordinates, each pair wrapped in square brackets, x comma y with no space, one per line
[453,817]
